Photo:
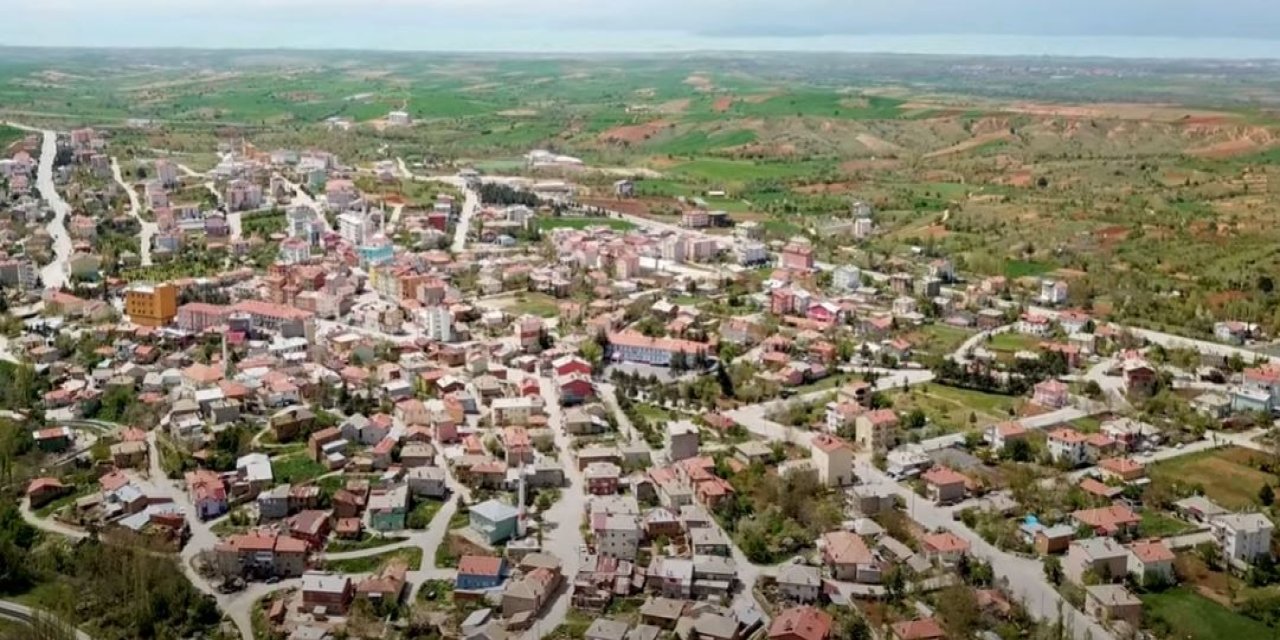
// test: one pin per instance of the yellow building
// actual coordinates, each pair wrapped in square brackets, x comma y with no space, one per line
[151,305]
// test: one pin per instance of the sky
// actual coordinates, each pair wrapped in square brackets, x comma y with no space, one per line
[1127,28]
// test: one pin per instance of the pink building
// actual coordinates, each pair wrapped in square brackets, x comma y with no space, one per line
[198,316]
[797,255]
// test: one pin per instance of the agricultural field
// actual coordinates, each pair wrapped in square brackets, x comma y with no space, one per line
[1225,475]
[1153,179]
[1196,617]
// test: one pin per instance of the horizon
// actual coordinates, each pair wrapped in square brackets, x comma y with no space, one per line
[1165,48]
[1156,29]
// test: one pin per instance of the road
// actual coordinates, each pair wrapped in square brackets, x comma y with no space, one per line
[56,273]
[22,613]
[1024,576]
[148,229]
[561,534]
[49,525]
[1171,341]
[754,418]
[301,197]
[470,205]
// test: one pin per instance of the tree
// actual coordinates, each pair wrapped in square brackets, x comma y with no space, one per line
[1053,570]
[1266,495]
[591,352]
[1017,450]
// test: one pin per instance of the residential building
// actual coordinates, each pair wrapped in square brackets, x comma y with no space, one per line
[918,629]
[1102,557]
[944,485]
[799,582]
[388,508]
[495,521]
[682,440]
[1150,560]
[616,535]
[1113,602]
[480,572]
[1116,519]
[328,593]
[631,346]
[1068,447]
[832,457]
[876,431]
[151,305]
[798,254]
[1243,537]
[801,623]
[1052,394]
[849,558]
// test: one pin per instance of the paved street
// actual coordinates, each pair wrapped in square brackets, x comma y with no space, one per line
[148,229]
[1025,577]
[56,273]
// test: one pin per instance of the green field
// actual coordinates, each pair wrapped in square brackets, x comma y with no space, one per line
[366,541]
[739,171]
[369,564]
[950,407]
[1157,525]
[1014,269]
[1194,617]
[548,223]
[1013,342]
[939,339]
[537,304]
[295,468]
[1223,474]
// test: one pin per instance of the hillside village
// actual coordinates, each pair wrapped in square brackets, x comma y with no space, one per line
[359,401]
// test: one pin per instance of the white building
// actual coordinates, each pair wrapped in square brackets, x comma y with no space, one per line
[846,278]
[1244,537]
[673,249]
[353,227]
[399,119]
[1053,292]
[751,253]
[616,535]
[862,228]
[438,322]
[1068,445]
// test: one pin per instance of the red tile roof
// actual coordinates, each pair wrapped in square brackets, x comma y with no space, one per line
[922,629]
[480,566]
[805,623]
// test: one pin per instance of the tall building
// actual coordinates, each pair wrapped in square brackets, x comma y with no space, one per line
[151,305]
[439,323]
[353,227]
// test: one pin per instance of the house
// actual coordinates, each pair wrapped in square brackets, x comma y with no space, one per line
[946,548]
[1116,519]
[602,478]
[1033,325]
[386,586]
[1052,394]
[606,629]
[127,455]
[327,593]
[1055,539]
[207,493]
[1139,377]
[528,594]
[799,582]
[848,558]
[42,491]
[876,431]
[709,541]
[1122,469]
[944,485]
[1150,560]
[495,521]
[427,482]
[480,572]
[54,439]
[919,629]
[660,612]
[1001,434]
[1199,509]
[801,623]
[1243,537]
[1068,447]
[682,440]
[833,459]
[310,525]
[388,508]
[616,535]
[1102,557]
[1109,602]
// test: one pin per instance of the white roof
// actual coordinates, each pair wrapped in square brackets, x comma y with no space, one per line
[317,581]
[256,467]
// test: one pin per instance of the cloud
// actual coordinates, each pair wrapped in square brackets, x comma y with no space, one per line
[359,22]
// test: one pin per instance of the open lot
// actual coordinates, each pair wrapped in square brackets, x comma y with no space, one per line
[1223,474]
[1196,617]
[950,408]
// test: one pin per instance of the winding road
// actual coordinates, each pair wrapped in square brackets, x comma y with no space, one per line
[148,229]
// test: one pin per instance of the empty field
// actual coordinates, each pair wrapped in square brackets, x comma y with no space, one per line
[1195,617]
[583,223]
[1224,474]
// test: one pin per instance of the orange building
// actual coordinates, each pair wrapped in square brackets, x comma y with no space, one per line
[151,305]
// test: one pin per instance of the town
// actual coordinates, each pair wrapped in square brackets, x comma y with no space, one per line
[376,400]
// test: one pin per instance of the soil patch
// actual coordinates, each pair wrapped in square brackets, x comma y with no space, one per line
[635,132]
[722,104]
